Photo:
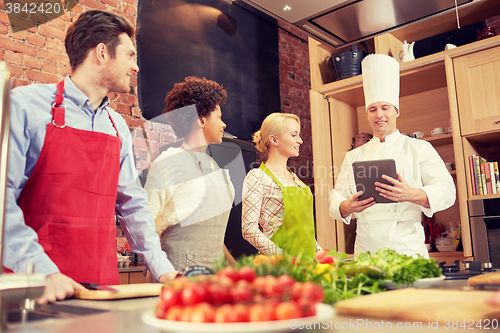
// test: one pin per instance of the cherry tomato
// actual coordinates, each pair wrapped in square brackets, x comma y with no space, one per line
[297,290]
[218,293]
[203,313]
[259,312]
[194,294]
[286,281]
[312,291]
[242,292]
[307,307]
[272,287]
[229,272]
[170,296]
[186,313]
[242,312]
[247,273]
[160,309]
[259,284]
[288,310]
[225,314]
[174,313]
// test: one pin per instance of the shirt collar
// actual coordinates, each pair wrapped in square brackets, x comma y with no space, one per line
[389,138]
[76,96]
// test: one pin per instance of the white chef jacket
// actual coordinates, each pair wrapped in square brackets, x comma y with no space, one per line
[396,225]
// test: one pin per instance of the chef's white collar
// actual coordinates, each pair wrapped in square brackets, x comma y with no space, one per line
[389,138]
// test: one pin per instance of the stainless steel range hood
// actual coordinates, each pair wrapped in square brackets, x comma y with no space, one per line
[344,22]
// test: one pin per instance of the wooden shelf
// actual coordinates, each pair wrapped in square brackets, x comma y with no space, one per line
[488,139]
[446,254]
[440,140]
[484,196]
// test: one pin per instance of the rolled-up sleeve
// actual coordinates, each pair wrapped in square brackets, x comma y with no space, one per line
[21,241]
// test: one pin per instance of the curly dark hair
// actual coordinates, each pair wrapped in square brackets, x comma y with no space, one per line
[205,94]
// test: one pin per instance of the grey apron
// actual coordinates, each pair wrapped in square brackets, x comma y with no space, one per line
[191,242]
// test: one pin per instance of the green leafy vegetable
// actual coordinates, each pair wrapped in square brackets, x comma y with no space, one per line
[400,268]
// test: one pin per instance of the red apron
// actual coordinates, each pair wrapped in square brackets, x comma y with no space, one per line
[69,199]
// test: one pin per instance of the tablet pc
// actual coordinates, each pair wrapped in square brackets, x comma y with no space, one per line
[366,173]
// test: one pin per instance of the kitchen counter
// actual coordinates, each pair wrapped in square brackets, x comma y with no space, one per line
[124,316]
[131,269]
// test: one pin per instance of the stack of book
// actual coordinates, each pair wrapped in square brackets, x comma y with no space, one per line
[485,178]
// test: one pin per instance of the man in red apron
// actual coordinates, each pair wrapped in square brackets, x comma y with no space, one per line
[71,168]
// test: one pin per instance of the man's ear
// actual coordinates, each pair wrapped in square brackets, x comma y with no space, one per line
[101,52]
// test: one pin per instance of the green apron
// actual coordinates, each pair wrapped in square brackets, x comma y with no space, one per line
[296,234]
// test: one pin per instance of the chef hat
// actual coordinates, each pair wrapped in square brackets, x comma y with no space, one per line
[380,79]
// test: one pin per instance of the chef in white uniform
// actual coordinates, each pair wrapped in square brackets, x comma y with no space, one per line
[423,185]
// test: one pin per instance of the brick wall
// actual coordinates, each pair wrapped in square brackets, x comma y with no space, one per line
[295,83]
[37,55]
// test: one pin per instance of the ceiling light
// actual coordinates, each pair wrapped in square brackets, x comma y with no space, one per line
[287,7]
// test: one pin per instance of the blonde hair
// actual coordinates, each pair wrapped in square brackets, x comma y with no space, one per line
[274,124]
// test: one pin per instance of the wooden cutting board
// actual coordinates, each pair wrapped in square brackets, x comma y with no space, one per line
[421,305]
[124,291]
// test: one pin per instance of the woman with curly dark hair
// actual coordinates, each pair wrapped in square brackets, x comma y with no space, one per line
[190,196]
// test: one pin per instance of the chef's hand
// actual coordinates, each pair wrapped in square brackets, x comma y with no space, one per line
[168,276]
[401,191]
[58,287]
[352,205]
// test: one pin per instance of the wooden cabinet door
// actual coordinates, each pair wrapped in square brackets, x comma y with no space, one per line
[477,78]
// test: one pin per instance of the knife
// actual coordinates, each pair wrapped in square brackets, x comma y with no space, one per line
[96,286]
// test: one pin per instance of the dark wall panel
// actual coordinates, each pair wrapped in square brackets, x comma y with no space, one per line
[213,39]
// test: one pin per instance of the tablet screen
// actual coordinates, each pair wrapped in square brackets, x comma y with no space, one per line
[366,173]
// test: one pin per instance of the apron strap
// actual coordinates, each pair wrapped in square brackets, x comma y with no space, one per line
[58,109]
[268,172]
[112,122]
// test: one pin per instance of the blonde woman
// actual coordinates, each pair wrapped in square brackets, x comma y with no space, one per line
[277,209]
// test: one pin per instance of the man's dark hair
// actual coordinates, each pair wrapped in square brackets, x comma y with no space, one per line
[205,94]
[92,28]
